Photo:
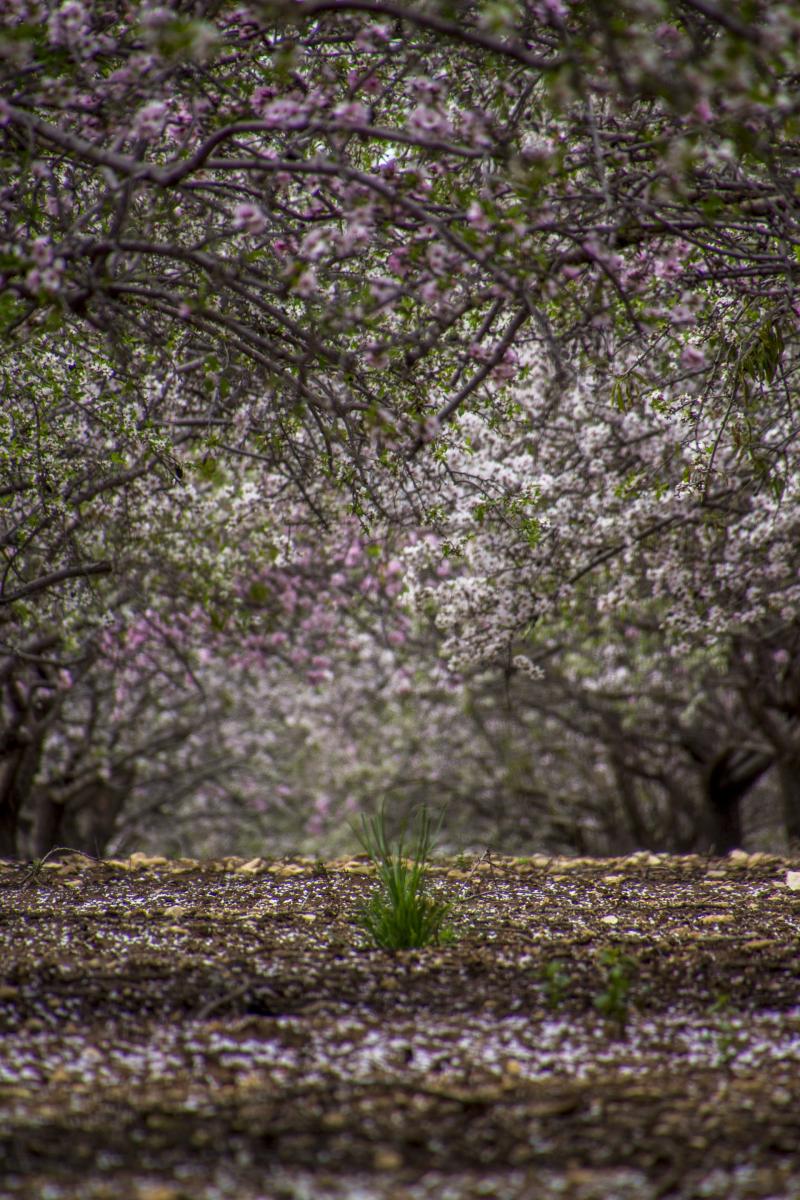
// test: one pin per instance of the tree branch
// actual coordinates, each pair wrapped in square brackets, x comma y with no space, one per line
[46,581]
[423,20]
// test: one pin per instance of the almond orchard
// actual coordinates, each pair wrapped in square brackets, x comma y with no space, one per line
[398,401]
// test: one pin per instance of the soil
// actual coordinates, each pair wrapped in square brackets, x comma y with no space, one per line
[624,1028]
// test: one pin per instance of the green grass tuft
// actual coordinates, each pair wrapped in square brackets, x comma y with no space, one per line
[401,915]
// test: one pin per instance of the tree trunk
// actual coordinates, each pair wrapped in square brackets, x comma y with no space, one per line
[789,772]
[730,777]
[49,817]
[633,835]
[9,808]
[17,773]
[92,815]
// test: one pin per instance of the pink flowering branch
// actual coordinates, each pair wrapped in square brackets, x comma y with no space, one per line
[447,411]
[430,21]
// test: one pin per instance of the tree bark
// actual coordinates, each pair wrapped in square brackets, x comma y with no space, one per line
[17,774]
[789,772]
[633,835]
[48,820]
[730,777]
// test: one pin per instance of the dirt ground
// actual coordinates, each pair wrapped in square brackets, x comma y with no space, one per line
[624,1028]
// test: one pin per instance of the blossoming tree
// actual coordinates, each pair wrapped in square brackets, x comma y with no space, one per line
[522,277]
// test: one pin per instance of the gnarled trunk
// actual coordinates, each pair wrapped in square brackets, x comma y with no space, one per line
[17,773]
[729,778]
[82,816]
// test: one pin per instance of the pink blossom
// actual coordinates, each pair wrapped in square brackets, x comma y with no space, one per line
[508,365]
[437,257]
[372,37]
[284,114]
[306,283]
[150,120]
[668,36]
[352,113]
[403,685]
[430,292]
[155,19]
[477,217]
[536,148]
[472,128]
[551,10]
[693,358]
[681,314]
[51,279]
[383,289]
[183,118]
[421,85]
[668,268]
[260,98]
[42,251]
[314,208]
[428,120]
[249,218]
[315,244]
[67,23]
[376,356]
[35,280]
[397,262]
[357,233]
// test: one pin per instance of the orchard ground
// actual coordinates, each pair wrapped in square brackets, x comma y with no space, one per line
[616,1028]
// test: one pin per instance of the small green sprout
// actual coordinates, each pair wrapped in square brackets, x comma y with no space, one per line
[556,982]
[401,915]
[613,1001]
[728,1036]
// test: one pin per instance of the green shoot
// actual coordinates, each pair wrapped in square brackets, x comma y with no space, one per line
[728,1037]
[613,1002]
[401,916]
[556,983]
